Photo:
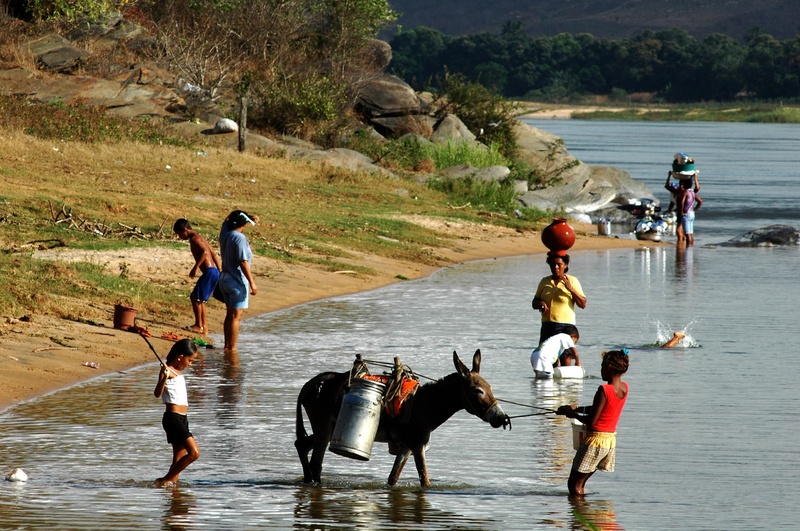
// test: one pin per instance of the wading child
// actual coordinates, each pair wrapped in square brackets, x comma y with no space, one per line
[598,451]
[555,351]
[208,263]
[171,388]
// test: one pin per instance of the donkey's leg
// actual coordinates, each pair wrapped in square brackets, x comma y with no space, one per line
[397,468]
[422,467]
[320,445]
[304,445]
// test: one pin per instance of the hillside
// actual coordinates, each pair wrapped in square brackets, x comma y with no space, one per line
[611,19]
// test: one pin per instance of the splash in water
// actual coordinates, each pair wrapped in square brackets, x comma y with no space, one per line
[664,333]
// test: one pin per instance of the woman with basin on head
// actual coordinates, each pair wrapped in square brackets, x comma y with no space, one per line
[556,297]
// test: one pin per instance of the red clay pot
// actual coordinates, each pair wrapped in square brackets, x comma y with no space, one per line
[558,237]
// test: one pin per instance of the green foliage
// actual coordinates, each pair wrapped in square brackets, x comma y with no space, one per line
[297,104]
[62,121]
[483,111]
[454,153]
[69,9]
[408,153]
[671,64]
[482,195]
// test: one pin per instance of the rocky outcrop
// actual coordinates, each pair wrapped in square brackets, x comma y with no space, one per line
[765,237]
[581,189]
[392,107]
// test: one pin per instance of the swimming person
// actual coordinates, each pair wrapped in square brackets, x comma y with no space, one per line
[598,451]
[208,263]
[171,388]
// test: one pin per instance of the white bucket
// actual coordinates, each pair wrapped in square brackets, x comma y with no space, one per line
[579,431]
[569,371]
[604,227]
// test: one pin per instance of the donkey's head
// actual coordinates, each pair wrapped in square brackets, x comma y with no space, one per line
[478,398]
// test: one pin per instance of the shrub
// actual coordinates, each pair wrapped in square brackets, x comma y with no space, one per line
[487,114]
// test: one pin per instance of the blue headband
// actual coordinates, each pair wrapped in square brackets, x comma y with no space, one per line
[624,351]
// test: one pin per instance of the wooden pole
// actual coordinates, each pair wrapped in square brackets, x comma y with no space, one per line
[242,122]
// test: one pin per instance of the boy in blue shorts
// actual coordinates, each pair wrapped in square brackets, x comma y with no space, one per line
[208,263]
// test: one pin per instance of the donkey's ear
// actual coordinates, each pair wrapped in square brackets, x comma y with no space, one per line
[460,367]
[476,362]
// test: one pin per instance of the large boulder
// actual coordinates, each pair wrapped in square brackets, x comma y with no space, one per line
[392,107]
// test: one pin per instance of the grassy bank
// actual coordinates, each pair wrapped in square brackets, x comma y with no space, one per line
[124,196]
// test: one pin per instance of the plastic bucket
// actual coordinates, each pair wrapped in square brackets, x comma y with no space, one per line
[124,316]
[358,420]
[569,371]
[604,227]
[579,431]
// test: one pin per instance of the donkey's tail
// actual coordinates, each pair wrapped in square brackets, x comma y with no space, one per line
[300,429]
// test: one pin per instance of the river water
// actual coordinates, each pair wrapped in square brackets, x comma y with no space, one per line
[704,441]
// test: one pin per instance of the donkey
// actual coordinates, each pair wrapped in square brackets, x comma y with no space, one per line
[431,406]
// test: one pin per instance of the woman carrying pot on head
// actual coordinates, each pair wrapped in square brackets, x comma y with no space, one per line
[556,297]
[236,276]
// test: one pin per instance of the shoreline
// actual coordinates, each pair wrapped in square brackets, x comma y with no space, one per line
[43,354]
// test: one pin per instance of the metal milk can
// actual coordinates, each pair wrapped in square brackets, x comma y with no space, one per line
[358,419]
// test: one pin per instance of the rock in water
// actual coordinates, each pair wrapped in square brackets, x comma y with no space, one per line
[766,236]
[17,475]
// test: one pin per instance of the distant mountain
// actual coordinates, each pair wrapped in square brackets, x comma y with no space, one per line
[610,19]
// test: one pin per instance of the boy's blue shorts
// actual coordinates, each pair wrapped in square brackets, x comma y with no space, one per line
[205,285]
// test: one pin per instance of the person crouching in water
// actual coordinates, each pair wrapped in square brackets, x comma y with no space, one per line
[556,351]
[598,451]
[171,388]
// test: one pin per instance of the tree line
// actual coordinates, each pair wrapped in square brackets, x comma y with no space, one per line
[671,64]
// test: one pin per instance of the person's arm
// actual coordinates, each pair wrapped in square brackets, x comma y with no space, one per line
[586,414]
[698,202]
[575,355]
[163,375]
[696,183]
[538,303]
[577,296]
[667,184]
[249,276]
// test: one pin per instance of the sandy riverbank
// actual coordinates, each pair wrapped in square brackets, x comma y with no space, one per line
[41,354]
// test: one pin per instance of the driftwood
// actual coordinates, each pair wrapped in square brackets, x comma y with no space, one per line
[101,228]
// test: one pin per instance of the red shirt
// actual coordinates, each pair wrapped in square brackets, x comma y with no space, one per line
[607,422]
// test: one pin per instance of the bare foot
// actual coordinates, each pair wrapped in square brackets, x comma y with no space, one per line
[162,483]
[194,328]
[676,337]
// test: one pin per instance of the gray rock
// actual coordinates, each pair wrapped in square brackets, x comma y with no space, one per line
[54,53]
[225,125]
[387,95]
[342,158]
[765,237]
[451,129]
[397,126]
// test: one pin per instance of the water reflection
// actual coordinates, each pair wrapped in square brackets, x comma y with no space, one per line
[589,514]
[182,504]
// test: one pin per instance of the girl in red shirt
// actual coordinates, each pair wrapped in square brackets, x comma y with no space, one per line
[598,450]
